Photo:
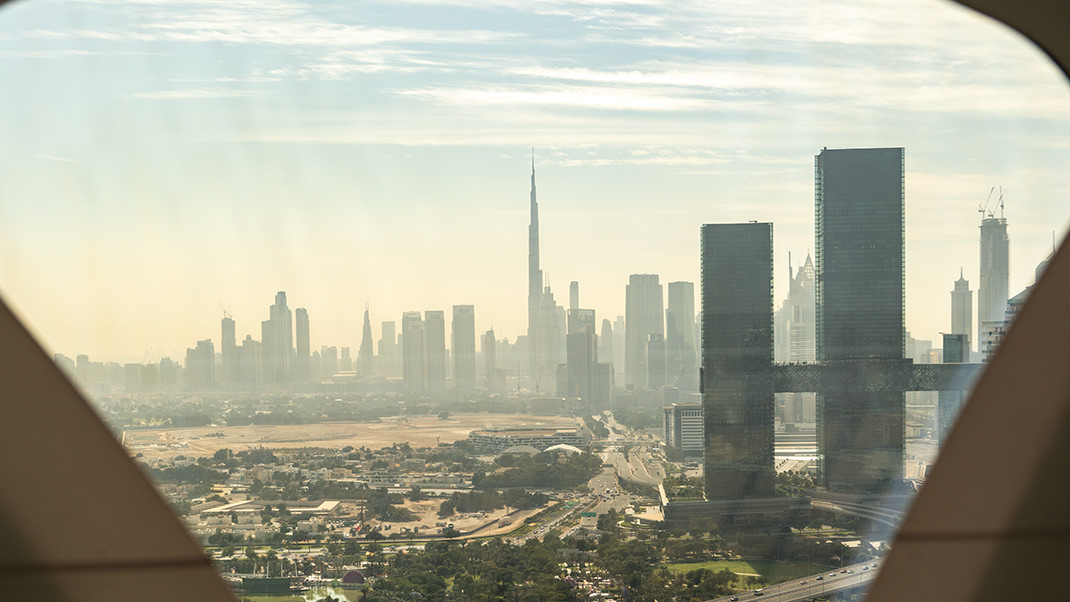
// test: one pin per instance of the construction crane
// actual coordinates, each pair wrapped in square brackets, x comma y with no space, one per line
[983,209]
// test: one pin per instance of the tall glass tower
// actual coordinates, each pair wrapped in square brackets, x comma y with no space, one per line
[859,302]
[737,356]
[993,289]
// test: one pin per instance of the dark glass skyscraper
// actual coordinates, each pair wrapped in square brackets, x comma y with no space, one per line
[737,356]
[859,233]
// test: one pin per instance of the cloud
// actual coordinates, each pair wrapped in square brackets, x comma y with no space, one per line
[574,96]
[193,93]
[54,158]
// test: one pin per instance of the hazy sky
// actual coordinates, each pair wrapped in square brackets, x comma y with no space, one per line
[165,160]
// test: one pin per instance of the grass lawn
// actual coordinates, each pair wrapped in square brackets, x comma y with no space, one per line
[770,570]
[352,595]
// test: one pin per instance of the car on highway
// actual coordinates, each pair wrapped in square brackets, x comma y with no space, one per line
[734,599]
[820,577]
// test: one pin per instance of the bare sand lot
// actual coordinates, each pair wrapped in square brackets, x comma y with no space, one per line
[417,431]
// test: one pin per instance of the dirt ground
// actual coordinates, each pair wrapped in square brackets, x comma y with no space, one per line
[418,431]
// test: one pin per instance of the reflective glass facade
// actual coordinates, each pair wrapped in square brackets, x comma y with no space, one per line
[737,356]
[859,233]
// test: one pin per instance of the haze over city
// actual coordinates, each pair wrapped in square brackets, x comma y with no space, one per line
[198,157]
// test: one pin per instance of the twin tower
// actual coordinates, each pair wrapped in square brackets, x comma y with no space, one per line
[860,375]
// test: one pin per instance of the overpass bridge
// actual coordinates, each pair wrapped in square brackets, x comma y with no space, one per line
[839,584]
[885,516]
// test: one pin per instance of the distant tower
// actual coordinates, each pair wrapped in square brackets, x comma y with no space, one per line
[490,360]
[534,286]
[228,345]
[605,342]
[619,344]
[655,361]
[581,356]
[435,349]
[200,365]
[994,288]
[463,347]
[796,339]
[413,353]
[280,363]
[573,295]
[367,348]
[304,359]
[388,350]
[802,346]
[962,309]
[644,315]
[681,354]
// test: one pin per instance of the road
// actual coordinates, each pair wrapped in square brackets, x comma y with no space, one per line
[815,586]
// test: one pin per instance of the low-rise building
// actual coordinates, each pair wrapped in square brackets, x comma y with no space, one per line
[498,440]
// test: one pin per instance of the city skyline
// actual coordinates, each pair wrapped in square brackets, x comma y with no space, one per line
[377,157]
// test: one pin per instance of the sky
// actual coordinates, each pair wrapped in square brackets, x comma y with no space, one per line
[168,161]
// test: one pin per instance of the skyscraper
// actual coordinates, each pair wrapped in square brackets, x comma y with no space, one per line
[680,350]
[655,361]
[737,356]
[802,344]
[619,345]
[367,348]
[962,310]
[200,365]
[490,361]
[796,339]
[388,350]
[573,295]
[581,355]
[278,363]
[605,342]
[535,353]
[412,353]
[249,364]
[228,345]
[304,357]
[949,403]
[993,291]
[644,315]
[859,302]
[435,350]
[463,347]
[328,361]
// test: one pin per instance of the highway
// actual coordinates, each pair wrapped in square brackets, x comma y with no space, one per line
[884,516]
[815,586]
